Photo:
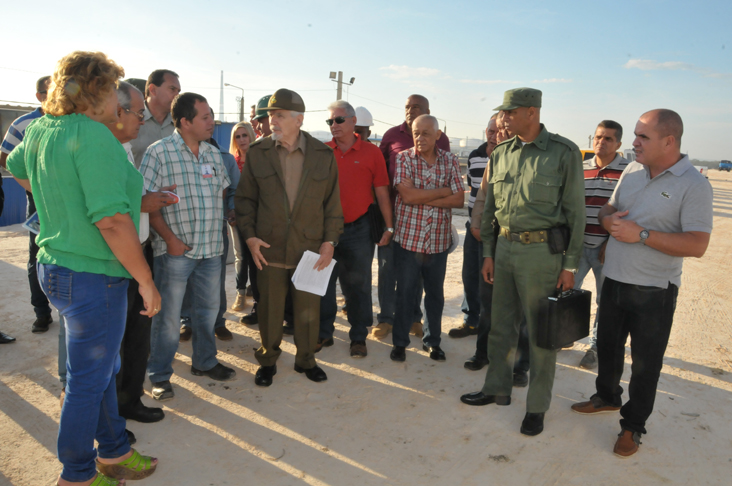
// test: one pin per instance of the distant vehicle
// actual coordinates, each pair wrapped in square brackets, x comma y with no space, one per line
[702,170]
[725,165]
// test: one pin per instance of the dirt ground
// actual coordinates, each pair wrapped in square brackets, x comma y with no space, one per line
[378,422]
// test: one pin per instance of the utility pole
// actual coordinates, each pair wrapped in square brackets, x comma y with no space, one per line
[339,79]
[240,99]
[221,101]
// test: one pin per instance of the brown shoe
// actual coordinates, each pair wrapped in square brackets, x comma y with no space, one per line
[323,343]
[358,349]
[381,331]
[417,329]
[594,405]
[463,331]
[185,333]
[627,443]
[240,303]
[223,333]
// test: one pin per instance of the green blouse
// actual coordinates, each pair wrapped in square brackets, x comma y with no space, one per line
[79,174]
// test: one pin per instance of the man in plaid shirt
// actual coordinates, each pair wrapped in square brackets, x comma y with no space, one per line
[189,244]
[429,185]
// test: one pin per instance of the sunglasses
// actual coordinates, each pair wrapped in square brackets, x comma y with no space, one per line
[338,120]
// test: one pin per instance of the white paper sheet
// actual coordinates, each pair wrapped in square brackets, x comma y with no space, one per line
[308,280]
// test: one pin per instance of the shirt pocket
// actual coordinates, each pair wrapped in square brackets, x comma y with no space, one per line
[544,188]
[266,178]
[317,182]
[500,183]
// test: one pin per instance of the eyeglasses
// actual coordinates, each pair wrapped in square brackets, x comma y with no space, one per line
[338,120]
[139,114]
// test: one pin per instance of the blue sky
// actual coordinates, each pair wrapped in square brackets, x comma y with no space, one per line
[592,60]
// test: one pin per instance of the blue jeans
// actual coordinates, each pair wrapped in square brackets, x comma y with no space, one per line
[412,267]
[94,308]
[185,311]
[472,264]
[647,314]
[590,260]
[173,274]
[353,255]
[387,287]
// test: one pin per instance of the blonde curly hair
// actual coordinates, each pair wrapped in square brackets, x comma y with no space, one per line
[82,80]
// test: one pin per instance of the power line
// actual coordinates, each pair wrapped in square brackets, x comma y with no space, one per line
[21,70]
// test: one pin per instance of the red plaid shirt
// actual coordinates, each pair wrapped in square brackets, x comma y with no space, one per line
[421,228]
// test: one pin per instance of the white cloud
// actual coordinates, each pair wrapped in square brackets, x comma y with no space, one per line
[487,81]
[552,80]
[404,73]
[650,65]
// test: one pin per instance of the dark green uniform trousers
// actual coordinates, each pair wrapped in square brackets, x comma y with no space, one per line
[523,274]
[274,283]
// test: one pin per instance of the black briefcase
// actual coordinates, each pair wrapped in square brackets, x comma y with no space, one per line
[563,318]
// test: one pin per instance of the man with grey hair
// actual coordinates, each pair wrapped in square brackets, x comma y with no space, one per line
[288,202]
[361,175]
[429,185]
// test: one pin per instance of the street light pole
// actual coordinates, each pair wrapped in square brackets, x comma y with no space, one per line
[240,100]
[339,79]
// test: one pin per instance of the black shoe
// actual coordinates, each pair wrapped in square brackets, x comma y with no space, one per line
[323,343]
[4,338]
[218,372]
[251,319]
[479,399]
[533,424]
[185,333]
[131,437]
[264,375]
[41,324]
[475,363]
[141,413]
[436,352]
[223,333]
[315,373]
[520,379]
[398,353]
[162,390]
[288,329]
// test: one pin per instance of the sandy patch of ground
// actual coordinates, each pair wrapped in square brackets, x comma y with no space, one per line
[378,422]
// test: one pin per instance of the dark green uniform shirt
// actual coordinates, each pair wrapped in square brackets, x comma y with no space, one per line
[536,186]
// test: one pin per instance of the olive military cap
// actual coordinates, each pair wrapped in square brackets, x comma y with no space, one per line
[285,99]
[520,97]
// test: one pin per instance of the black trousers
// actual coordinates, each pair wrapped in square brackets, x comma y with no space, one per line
[135,347]
[647,314]
[39,301]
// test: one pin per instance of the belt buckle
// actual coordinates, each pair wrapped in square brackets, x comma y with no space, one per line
[525,237]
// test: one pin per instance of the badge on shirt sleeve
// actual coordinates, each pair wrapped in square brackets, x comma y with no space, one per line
[206,171]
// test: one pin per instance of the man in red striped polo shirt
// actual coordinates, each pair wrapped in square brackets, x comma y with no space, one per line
[601,176]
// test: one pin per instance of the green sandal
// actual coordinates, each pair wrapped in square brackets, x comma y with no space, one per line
[134,467]
[102,480]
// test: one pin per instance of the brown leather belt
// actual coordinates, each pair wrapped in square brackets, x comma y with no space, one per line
[525,237]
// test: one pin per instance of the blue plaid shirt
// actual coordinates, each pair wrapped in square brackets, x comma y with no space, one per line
[197,218]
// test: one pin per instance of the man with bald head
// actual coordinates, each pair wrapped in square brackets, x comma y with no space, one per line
[659,213]
[394,141]
[429,185]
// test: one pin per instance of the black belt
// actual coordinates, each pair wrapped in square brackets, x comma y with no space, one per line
[358,220]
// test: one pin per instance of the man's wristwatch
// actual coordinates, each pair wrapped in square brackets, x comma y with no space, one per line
[390,230]
[334,243]
[644,236]
[573,271]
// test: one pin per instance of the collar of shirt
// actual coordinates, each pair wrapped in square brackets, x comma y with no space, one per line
[615,164]
[168,120]
[203,147]
[356,145]
[677,169]
[541,141]
[300,144]
[414,155]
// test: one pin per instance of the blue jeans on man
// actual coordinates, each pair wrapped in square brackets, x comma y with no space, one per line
[387,287]
[94,308]
[411,267]
[353,255]
[590,260]
[173,275]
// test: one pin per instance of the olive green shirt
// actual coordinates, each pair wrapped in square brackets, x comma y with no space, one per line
[536,186]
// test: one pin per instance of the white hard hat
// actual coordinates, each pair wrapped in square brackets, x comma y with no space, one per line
[363,117]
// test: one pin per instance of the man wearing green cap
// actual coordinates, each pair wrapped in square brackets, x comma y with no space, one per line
[536,183]
[288,202]
[261,117]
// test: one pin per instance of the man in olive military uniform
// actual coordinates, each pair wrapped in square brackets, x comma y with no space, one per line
[536,183]
[288,202]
